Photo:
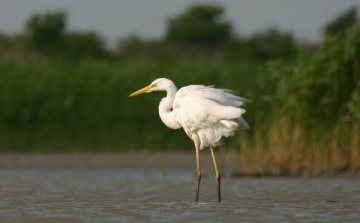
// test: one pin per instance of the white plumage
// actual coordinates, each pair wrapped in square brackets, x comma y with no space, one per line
[205,113]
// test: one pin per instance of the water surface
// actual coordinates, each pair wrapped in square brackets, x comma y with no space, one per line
[140,195]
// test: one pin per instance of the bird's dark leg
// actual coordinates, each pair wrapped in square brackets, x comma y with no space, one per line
[198,173]
[217,176]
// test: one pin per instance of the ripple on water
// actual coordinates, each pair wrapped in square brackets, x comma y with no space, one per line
[111,195]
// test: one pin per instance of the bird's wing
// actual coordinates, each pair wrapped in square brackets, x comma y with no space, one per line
[206,118]
[202,112]
[205,105]
[220,96]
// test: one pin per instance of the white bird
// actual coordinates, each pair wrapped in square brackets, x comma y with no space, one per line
[205,113]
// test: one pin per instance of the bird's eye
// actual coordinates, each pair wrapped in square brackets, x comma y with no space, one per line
[154,85]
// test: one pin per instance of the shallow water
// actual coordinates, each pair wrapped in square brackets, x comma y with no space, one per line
[138,195]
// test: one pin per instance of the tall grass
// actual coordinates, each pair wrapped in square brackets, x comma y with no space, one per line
[304,114]
[287,150]
[314,118]
[55,105]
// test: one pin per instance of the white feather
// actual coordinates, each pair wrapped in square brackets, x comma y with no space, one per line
[205,113]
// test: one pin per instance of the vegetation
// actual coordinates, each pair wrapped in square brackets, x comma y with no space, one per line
[314,117]
[202,32]
[56,105]
[64,91]
[342,22]
[45,31]
[200,24]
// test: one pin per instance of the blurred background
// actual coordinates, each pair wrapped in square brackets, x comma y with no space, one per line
[67,68]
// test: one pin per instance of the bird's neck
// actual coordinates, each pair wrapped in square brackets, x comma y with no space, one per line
[165,109]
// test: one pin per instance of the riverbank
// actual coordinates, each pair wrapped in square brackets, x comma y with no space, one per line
[229,163]
[142,159]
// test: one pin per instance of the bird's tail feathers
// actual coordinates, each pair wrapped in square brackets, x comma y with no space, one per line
[243,123]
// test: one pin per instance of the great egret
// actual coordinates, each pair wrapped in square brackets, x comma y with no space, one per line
[205,113]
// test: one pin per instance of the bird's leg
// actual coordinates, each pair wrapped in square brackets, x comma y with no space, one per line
[198,173]
[217,176]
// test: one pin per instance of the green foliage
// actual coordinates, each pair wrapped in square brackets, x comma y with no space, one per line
[47,33]
[270,44]
[201,33]
[54,105]
[266,45]
[46,30]
[200,24]
[135,48]
[131,45]
[324,88]
[342,22]
[5,42]
[82,45]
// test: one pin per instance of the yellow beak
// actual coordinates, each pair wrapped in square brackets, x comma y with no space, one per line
[143,90]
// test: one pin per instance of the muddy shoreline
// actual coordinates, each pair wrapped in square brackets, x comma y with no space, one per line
[148,160]
[108,160]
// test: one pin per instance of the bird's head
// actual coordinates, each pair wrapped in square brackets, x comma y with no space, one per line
[161,84]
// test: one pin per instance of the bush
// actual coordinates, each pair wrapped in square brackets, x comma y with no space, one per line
[46,30]
[200,24]
[324,87]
